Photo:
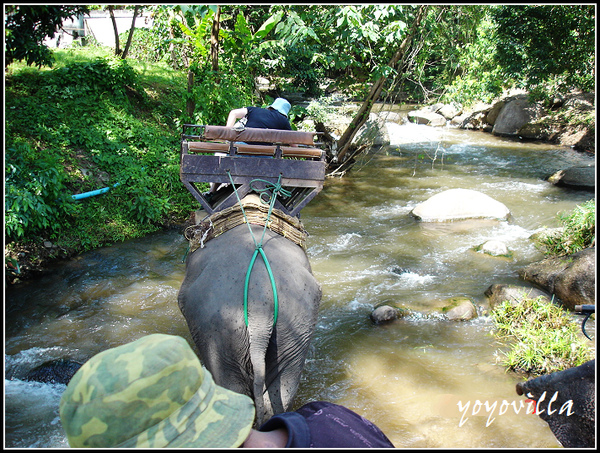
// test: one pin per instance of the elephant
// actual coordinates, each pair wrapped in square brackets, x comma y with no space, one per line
[566,401]
[263,357]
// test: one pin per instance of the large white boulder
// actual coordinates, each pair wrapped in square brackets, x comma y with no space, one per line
[459,204]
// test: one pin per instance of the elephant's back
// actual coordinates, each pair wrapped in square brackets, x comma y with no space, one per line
[218,271]
[233,250]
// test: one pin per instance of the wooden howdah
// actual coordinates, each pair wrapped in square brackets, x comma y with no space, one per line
[255,160]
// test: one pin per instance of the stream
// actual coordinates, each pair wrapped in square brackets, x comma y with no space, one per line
[365,249]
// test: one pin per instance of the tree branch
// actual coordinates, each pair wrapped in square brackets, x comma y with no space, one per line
[363,113]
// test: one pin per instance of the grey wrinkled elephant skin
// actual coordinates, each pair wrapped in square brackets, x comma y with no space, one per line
[568,405]
[262,361]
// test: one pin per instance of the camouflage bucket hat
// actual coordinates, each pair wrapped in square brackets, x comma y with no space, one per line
[152,393]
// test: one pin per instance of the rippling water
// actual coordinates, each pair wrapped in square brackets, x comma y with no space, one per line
[365,249]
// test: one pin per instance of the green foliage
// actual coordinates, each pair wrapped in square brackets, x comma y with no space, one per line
[196,30]
[480,78]
[179,34]
[461,53]
[145,45]
[103,116]
[145,206]
[543,337]
[27,26]
[215,93]
[248,52]
[35,199]
[578,232]
[542,43]
[103,74]
[305,73]
[219,92]
[340,41]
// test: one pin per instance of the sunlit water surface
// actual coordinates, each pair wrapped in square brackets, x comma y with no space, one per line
[365,249]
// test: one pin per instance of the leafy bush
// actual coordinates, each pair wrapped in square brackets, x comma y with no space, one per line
[112,74]
[145,45]
[35,199]
[481,79]
[543,337]
[217,93]
[537,43]
[303,70]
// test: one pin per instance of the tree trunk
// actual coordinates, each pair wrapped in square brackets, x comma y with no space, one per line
[130,37]
[190,104]
[363,113]
[174,61]
[114,22]
[214,40]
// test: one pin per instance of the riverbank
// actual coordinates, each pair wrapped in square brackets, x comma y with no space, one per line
[568,120]
[28,260]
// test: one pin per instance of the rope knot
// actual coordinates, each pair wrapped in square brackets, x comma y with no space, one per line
[276,188]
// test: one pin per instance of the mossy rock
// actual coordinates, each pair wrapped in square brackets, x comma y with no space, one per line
[460,309]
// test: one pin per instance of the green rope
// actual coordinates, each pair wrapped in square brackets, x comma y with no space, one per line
[275,188]
[275,299]
[186,253]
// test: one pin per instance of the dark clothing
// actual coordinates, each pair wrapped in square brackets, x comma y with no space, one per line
[327,425]
[267,119]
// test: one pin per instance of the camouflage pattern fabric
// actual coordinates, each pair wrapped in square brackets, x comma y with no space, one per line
[152,393]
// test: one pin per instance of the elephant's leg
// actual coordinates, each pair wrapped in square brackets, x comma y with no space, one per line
[285,362]
[216,325]
[290,341]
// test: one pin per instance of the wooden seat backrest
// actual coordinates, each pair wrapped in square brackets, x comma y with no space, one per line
[251,134]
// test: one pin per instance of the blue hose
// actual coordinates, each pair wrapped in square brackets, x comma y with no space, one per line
[93,193]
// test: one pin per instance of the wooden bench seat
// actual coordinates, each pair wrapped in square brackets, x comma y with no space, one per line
[301,152]
[208,147]
[257,150]
[293,159]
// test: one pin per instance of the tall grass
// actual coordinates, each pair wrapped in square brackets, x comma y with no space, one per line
[540,337]
[577,233]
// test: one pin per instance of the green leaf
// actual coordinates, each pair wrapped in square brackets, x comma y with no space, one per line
[269,24]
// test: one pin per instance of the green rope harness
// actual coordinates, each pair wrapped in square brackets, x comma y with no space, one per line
[275,189]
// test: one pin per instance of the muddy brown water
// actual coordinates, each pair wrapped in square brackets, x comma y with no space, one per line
[365,249]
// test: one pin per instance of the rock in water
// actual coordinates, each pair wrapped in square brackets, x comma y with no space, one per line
[385,314]
[54,372]
[459,204]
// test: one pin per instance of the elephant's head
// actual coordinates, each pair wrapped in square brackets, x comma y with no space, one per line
[566,401]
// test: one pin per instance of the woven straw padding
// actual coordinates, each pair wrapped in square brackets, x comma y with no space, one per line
[256,213]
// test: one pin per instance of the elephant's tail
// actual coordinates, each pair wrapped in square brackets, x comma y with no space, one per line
[259,341]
